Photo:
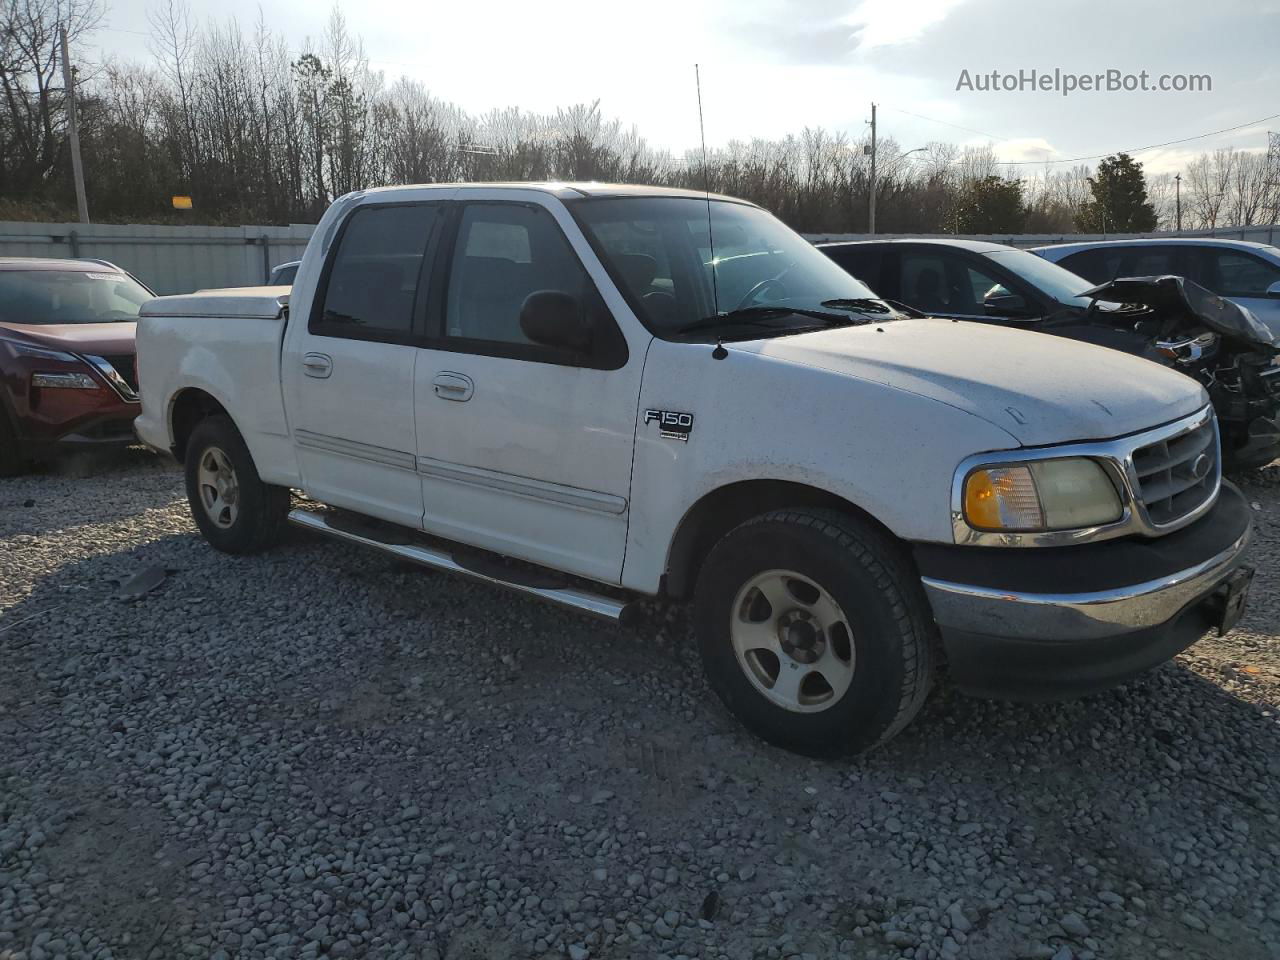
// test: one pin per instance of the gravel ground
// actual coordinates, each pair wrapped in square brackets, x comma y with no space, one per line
[319,752]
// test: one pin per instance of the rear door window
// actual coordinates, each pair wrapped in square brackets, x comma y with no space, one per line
[860,259]
[1154,261]
[372,284]
[1233,273]
[1099,265]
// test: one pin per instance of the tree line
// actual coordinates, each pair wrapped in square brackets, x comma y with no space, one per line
[256,132]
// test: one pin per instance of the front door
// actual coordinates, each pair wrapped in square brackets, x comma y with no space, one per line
[525,449]
[943,282]
[349,379]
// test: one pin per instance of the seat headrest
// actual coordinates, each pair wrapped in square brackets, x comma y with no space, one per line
[638,269]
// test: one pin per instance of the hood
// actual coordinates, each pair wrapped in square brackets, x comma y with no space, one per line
[1180,298]
[97,338]
[1038,388]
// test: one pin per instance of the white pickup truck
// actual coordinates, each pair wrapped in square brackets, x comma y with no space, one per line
[596,394]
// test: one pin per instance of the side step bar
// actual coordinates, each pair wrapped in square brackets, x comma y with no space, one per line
[574,598]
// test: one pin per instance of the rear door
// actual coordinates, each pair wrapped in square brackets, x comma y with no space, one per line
[1241,276]
[349,379]
[522,448]
[861,260]
[1098,265]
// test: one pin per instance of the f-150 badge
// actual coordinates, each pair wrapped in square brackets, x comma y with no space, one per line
[672,425]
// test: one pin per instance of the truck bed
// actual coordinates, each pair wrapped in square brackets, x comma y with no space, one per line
[227,344]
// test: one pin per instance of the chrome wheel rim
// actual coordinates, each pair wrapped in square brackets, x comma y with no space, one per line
[218,488]
[792,641]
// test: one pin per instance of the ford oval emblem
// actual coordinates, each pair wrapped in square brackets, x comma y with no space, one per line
[1200,466]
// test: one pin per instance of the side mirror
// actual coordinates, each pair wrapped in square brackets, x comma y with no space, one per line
[1273,291]
[554,318]
[1006,305]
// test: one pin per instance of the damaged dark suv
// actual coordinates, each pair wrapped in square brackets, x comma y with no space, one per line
[1170,320]
[68,376]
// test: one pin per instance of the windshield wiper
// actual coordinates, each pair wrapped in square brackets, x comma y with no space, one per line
[861,305]
[757,317]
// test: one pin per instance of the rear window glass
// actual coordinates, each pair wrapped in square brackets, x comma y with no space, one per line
[48,297]
[373,281]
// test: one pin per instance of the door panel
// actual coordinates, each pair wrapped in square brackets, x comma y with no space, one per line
[531,457]
[349,379]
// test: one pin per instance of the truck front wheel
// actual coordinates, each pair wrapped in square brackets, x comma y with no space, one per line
[235,511]
[814,631]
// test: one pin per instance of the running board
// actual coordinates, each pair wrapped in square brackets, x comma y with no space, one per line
[574,598]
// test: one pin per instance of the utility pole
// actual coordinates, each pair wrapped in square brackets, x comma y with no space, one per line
[1177,193]
[73,128]
[871,191]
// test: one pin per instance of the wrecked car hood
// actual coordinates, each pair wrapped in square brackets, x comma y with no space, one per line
[1180,298]
[1039,388]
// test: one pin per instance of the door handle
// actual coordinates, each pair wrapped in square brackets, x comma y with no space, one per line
[453,386]
[317,365]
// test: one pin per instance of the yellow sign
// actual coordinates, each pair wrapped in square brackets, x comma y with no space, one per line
[182,203]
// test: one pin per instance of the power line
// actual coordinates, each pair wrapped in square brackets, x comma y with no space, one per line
[1153,146]
[1098,156]
[946,123]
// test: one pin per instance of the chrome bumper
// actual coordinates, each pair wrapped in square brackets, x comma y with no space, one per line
[1058,617]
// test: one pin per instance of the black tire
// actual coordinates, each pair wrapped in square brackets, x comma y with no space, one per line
[871,579]
[261,508]
[12,463]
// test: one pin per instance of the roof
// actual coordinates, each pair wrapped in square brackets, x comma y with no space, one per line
[974,246]
[52,263]
[1159,241]
[571,190]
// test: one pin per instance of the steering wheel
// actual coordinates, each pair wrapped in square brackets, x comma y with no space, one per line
[766,284]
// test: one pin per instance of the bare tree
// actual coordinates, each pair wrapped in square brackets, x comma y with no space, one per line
[32,120]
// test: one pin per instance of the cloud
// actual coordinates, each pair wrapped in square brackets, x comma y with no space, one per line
[887,23]
[1022,149]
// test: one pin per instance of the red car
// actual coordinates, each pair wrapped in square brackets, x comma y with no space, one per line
[67,372]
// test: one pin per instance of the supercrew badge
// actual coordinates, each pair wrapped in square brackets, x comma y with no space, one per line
[672,424]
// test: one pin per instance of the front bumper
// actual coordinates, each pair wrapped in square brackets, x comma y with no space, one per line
[1047,623]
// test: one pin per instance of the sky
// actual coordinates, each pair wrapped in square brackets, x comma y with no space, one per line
[772,67]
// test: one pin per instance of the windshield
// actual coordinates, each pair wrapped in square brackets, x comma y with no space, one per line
[69,296]
[657,250]
[1058,282]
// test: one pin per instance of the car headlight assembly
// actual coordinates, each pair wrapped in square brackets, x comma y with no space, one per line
[1070,493]
[64,381]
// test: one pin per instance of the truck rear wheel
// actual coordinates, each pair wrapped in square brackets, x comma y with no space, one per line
[235,511]
[814,631]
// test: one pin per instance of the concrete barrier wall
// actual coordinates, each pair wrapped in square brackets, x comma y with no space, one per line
[168,259]
[179,259]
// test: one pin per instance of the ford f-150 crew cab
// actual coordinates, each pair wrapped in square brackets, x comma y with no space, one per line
[595,394]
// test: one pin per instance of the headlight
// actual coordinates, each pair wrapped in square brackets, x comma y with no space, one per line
[1064,494]
[67,381]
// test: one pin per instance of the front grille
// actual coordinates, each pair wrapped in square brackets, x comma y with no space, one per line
[1178,474]
[126,367]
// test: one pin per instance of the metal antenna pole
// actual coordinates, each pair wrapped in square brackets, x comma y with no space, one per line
[706,185]
[73,128]
[871,192]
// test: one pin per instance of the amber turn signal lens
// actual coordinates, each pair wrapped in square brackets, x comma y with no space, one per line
[1002,498]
